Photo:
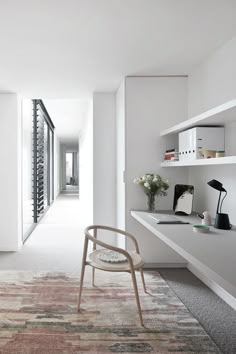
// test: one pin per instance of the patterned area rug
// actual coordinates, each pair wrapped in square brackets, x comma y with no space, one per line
[38,315]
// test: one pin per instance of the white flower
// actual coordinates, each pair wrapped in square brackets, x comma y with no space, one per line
[152,182]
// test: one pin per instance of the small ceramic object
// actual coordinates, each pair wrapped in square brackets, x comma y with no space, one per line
[201,229]
[206,218]
[220,153]
[207,154]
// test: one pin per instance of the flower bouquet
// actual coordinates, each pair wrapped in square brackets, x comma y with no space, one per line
[152,184]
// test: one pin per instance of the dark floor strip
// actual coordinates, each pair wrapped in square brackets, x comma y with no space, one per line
[216,317]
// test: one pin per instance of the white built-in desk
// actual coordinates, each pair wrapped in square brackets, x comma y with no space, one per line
[211,256]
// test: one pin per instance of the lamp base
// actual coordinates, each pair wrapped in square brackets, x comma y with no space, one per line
[222,222]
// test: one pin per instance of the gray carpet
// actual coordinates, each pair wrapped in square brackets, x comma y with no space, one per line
[216,317]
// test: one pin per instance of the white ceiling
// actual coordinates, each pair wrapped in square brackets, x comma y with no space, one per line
[69,117]
[71,48]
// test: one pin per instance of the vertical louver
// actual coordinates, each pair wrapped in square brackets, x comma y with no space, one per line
[41,169]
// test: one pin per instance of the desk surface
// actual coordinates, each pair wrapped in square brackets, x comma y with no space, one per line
[213,253]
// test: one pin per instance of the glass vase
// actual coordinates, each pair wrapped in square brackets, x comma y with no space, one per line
[151,202]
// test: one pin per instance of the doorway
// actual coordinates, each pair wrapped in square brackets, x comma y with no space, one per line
[72,171]
[69,172]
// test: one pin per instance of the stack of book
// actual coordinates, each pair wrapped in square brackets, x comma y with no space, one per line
[171,155]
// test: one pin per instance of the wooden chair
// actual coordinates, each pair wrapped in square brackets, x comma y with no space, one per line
[134,260]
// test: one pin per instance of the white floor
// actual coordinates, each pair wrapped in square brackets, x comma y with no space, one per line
[56,244]
[70,187]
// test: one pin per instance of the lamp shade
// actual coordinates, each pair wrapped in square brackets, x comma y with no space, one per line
[216,185]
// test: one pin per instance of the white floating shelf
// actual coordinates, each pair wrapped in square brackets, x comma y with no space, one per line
[225,113]
[227,160]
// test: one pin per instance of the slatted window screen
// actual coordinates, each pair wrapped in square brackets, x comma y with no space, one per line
[42,173]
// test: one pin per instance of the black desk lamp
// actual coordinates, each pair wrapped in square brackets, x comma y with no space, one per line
[222,220]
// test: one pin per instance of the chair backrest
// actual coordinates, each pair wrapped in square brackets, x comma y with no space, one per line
[93,238]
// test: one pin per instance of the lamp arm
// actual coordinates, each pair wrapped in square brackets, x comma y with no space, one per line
[218,204]
[223,200]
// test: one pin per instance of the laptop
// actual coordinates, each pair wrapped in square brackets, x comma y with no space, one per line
[166,219]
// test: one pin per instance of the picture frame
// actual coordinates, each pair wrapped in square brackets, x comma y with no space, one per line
[183,199]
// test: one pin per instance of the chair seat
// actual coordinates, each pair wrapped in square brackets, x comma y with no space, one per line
[114,267]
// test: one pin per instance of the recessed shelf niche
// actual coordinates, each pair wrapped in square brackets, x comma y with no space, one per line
[223,115]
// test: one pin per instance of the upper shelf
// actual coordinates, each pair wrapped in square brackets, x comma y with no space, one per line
[220,115]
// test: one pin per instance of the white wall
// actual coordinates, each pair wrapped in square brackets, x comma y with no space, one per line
[104,156]
[27,161]
[152,104]
[63,166]
[86,167]
[10,176]
[211,84]
[57,165]
[120,162]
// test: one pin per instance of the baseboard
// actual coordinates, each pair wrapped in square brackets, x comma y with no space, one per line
[164,265]
[222,293]
[10,248]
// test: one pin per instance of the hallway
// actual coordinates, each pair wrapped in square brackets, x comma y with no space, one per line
[56,244]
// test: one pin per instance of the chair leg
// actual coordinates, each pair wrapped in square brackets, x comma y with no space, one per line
[82,271]
[81,284]
[136,295]
[94,248]
[93,276]
[142,276]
